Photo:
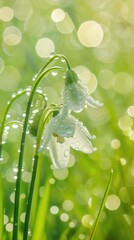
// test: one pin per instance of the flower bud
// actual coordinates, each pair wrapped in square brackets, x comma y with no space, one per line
[70,77]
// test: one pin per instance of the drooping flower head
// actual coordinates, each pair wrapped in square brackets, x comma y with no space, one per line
[75,94]
[61,130]
[60,134]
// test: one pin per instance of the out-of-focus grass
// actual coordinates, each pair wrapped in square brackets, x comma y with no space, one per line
[84,183]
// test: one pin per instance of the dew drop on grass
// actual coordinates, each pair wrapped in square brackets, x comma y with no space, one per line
[62,60]
[14,126]
[54,73]
[34,77]
[39,90]
[8,115]
[1,158]
[13,95]
[24,115]
[29,233]
[19,91]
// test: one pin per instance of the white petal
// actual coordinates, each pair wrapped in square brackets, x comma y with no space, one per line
[80,142]
[59,152]
[82,128]
[64,127]
[93,103]
[74,97]
[47,134]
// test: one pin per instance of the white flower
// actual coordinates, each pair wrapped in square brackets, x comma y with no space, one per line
[75,94]
[60,134]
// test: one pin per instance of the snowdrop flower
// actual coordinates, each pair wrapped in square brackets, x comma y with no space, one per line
[75,94]
[60,134]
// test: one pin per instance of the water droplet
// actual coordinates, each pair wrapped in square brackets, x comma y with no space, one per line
[34,77]
[13,95]
[29,233]
[24,115]
[30,121]
[19,91]
[1,158]
[14,126]
[39,90]
[62,60]
[54,73]
[66,153]
[34,145]
[52,55]
[8,115]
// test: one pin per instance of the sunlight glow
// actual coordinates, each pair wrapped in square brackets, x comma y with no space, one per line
[58,15]
[12,35]
[44,47]
[6,14]
[113,202]
[90,34]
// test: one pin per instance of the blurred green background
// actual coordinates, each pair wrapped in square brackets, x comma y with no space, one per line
[97,37]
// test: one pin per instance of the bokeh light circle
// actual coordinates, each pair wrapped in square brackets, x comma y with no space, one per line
[113,202]
[44,47]
[115,143]
[90,34]
[6,14]
[87,77]
[12,35]
[1,65]
[9,78]
[125,122]
[22,9]
[58,15]
[123,83]
[130,111]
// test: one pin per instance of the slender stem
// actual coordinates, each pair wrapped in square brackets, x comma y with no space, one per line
[19,173]
[102,206]
[30,196]
[5,114]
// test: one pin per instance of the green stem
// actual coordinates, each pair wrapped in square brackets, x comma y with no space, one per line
[30,196]
[19,173]
[5,114]
[102,206]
